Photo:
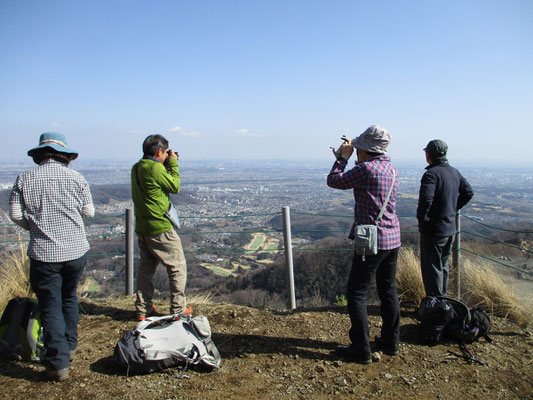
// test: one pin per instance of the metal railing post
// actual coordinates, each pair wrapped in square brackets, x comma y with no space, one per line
[291,298]
[129,251]
[457,253]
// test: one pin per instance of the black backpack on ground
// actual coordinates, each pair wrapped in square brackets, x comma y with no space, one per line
[467,326]
[443,316]
[433,314]
[481,320]
[20,331]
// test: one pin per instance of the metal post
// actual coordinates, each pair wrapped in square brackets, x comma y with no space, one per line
[457,253]
[291,298]
[129,251]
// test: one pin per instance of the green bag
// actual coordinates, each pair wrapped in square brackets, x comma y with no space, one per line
[21,334]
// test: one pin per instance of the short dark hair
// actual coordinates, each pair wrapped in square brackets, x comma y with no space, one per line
[153,143]
[47,153]
[435,156]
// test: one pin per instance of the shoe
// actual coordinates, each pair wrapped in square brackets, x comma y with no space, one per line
[188,311]
[150,313]
[348,353]
[391,349]
[57,375]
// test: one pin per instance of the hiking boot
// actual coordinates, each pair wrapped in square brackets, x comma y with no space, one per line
[57,375]
[185,313]
[391,349]
[348,353]
[188,311]
[152,311]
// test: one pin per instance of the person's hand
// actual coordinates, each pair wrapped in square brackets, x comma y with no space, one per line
[347,150]
[173,155]
[421,223]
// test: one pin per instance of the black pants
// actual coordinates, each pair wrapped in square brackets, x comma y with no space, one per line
[55,286]
[383,266]
[434,254]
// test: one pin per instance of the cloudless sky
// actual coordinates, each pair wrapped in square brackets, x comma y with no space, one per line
[276,79]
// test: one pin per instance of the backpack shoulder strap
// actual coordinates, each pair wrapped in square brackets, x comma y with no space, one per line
[215,354]
[32,321]
[141,326]
[388,196]
[456,304]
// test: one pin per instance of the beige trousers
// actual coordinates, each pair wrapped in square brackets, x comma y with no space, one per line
[164,249]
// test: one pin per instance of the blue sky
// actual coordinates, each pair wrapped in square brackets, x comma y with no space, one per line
[268,79]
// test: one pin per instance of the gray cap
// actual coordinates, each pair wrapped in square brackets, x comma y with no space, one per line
[375,139]
[436,148]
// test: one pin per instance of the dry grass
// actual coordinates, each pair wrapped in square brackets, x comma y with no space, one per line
[484,287]
[198,299]
[316,300]
[409,278]
[14,275]
[481,286]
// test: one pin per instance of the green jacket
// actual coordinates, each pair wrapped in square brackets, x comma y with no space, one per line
[151,184]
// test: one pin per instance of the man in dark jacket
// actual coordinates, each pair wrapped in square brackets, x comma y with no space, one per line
[443,191]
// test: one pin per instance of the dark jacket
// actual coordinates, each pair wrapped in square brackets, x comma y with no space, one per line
[443,191]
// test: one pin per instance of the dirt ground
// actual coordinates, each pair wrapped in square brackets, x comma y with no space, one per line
[270,354]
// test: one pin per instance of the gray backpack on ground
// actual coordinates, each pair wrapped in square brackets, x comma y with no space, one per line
[163,342]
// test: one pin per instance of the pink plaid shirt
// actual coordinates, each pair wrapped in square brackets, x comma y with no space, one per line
[370,181]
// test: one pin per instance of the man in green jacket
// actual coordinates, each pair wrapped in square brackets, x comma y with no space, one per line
[153,178]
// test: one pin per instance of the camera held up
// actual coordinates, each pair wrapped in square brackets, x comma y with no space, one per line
[338,152]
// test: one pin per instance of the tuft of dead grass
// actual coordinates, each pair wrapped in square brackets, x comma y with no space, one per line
[409,278]
[198,299]
[14,275]
[484,287]
[317,299]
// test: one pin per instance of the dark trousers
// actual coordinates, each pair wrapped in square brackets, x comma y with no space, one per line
[383,266]
[434,254]
[55,285]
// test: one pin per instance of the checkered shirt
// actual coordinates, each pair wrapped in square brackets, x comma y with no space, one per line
[370,181]
[51,197]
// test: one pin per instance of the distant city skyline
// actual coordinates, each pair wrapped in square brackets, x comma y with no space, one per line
[268,80]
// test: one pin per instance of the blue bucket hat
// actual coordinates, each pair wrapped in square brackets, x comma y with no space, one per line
[54,141]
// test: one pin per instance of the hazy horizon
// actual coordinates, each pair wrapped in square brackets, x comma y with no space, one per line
[81,162]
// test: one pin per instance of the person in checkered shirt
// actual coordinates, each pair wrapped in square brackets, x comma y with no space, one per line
[51,202]
[370,179]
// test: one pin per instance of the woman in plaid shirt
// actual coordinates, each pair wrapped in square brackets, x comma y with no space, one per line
[371,179]
[51,201]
